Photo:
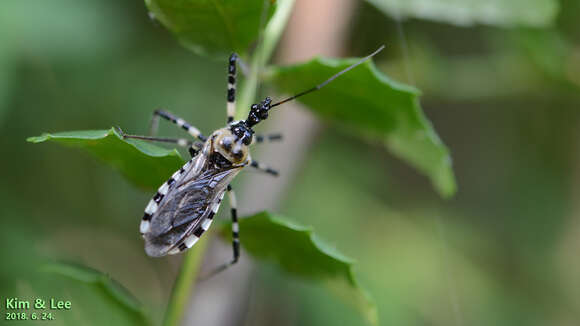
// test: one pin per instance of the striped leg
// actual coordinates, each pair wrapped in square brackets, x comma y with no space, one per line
[178,121]
[264,168]
[179,141]
[269,137]
[193,146]
[231,95]
[235,237]
[235,225]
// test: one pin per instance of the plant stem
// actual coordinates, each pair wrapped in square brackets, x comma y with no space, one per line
[183,287]
[184,283]
[262,55]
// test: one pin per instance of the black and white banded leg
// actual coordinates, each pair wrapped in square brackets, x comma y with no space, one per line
[235,236]
[263,168]
[183,142]
[193,149]
[269,137]
[193,131]
[235,225]
[231,94]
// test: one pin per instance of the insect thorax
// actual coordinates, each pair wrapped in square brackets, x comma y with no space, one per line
[232,143]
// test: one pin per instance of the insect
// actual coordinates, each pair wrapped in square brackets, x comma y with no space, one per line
[184,206]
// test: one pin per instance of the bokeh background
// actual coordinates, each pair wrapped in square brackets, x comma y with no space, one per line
[505,250]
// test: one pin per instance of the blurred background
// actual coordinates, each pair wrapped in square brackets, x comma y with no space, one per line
[504,97]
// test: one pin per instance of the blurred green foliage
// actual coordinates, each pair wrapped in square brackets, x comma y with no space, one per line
[118,303]
[504,100]
[536,13]
[298,251]
[378,107]
[216,27]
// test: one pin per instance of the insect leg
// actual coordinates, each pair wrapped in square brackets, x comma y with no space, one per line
[231,94]
[235,237]
[193,146]
[179,141]
[235,225]
[177,120]
[269,137]
[264,168]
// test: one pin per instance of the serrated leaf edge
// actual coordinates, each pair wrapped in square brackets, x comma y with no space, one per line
[323,247]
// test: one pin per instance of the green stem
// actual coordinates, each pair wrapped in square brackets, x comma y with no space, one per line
[184,283]
[183,287]
[262,55]
[249,90]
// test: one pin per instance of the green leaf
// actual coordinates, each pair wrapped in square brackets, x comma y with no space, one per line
[101,283]
[297,251]
[371,102]
[535,13]
[212,27]
[144,164]
[82,27]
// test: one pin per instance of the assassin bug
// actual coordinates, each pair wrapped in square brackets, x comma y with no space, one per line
[184,207]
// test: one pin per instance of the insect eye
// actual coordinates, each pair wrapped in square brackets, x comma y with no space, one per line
[247,139]
[237,131]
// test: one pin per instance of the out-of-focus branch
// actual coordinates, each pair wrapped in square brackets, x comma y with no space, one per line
[183,286]
[569,265]
[271,36]
[315,28]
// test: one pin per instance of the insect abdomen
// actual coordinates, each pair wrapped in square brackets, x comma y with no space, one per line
[182,237]
[153,205]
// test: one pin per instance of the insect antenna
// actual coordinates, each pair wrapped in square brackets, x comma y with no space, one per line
[319,86]
[259,111]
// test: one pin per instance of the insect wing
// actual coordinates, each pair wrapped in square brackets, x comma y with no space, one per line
[187,209]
